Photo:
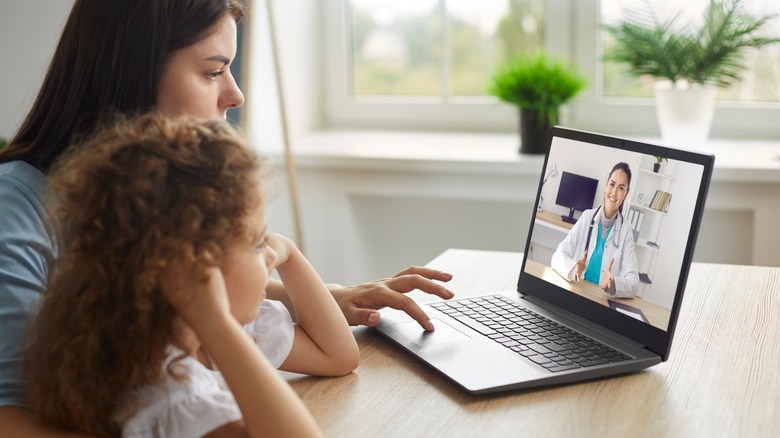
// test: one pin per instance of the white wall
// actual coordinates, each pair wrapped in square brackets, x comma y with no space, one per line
[297,25]
[361,224]
[29,31]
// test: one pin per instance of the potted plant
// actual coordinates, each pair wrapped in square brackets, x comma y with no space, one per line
[537,85]
[657,164]
[688,62]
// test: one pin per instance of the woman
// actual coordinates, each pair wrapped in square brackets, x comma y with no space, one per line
[600,246]
[128,57]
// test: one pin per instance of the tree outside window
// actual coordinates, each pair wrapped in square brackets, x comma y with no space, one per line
[436,48]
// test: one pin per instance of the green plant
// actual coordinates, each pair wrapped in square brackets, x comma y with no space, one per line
[537,83]
[676,51]
[659,160]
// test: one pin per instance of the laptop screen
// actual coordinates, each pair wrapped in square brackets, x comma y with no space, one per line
[620,258]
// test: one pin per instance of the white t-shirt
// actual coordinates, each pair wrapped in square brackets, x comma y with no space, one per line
[203,402]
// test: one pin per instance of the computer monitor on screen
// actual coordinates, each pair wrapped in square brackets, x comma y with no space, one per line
[576,192]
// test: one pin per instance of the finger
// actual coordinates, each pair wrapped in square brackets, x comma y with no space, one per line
[429,273]
[610,264]
[366,317]
[409,306]
[410,282]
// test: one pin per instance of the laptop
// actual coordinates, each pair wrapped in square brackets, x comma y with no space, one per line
[555,329]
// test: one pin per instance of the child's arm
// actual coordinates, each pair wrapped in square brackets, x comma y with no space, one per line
[323,344]
[268,404]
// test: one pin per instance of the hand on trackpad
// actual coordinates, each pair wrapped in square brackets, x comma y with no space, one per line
[443,333]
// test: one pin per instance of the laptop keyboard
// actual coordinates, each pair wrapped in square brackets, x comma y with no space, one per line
[527,333]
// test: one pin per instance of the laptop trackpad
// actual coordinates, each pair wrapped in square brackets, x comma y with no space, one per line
[443,333]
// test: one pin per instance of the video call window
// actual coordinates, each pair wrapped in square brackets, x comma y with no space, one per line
[643,242]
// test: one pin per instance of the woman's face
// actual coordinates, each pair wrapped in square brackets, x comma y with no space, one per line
[616,192]
[246,270]
[197,82]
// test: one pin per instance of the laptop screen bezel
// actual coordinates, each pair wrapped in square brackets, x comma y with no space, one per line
[655,339]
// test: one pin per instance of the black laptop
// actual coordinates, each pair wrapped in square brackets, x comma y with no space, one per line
[558,327]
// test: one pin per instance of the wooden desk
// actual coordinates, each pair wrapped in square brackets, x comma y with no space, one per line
[553,219]
[721,379]
[655,314]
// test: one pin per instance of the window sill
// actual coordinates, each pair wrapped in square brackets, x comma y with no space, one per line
[489,153]
[472,153]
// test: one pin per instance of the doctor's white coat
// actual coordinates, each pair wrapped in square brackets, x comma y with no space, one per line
[619,245]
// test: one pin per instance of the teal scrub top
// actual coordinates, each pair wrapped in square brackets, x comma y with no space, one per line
[593,273]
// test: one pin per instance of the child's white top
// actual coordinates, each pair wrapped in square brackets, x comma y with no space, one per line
[203,402]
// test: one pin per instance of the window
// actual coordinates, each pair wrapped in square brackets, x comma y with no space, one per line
[761,78]
[412,64]
[598,110]
[427,63]
[434,48]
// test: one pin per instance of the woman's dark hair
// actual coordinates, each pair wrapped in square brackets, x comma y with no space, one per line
[109,61]
[625,168]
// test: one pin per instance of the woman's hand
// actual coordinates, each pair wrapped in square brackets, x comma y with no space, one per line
[360,303]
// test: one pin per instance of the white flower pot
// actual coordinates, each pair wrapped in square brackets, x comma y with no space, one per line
[684,113]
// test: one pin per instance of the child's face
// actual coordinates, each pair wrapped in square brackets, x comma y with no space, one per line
[247,267]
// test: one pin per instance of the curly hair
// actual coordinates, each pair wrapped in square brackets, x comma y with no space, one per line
[134,196]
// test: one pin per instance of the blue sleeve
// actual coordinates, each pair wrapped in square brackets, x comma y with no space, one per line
[25,248]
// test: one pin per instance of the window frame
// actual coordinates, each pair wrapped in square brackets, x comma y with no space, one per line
[576,24]
[636,116]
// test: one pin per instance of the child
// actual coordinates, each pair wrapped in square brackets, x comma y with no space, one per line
[164,256]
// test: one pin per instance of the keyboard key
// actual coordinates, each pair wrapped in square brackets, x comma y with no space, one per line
[541,349]
[560,368]
[476,325]
[539,359]
[592,363]
[557,347]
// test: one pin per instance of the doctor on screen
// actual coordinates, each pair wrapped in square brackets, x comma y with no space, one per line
[600,246]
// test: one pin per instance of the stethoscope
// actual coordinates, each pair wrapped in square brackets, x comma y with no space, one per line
[617,229]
